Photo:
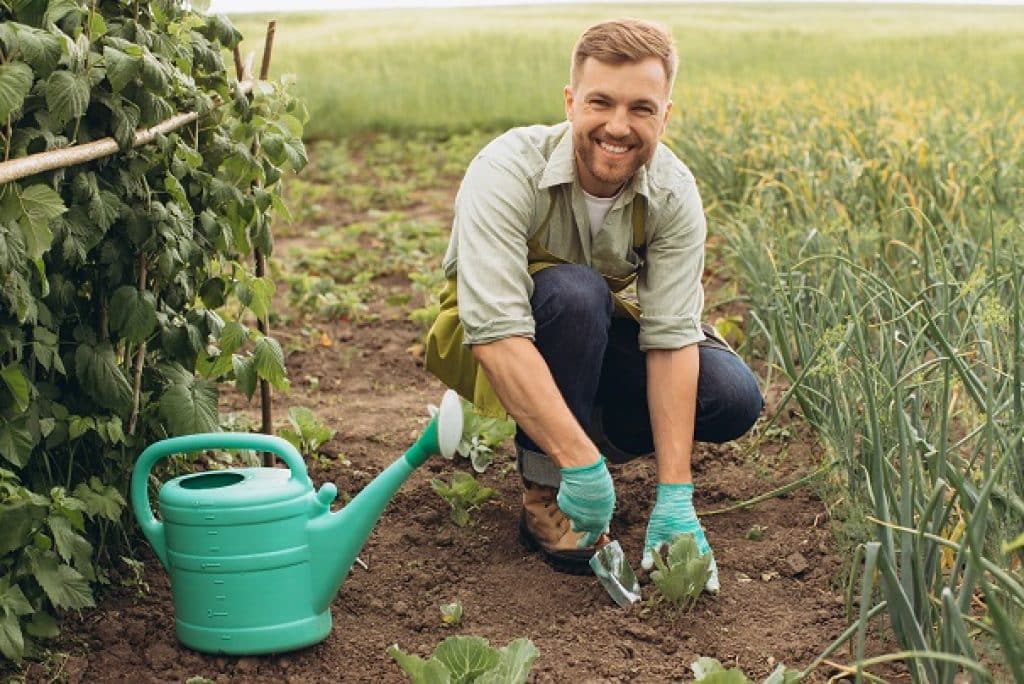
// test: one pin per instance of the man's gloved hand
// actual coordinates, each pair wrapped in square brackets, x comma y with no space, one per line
[672,516]
[587,497]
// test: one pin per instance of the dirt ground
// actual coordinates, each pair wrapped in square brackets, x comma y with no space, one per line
[779,599]
[780,602]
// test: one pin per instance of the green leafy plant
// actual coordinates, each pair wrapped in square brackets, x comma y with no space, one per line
[711,671]
[464,494]
[309,434]
[451,613]
[680,577]
[127,282]
[469,659]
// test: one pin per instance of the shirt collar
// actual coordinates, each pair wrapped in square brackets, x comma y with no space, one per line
[561,169]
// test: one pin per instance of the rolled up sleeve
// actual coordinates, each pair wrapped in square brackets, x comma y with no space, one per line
[669,288]
[492,217]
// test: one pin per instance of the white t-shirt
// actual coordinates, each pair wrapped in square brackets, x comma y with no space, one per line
[598,208]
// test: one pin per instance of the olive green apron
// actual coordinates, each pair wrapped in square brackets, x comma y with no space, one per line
[453,362]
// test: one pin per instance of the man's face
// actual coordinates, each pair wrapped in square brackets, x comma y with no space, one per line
[618,113]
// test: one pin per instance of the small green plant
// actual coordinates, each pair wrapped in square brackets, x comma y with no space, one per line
[480,434]
[137,578]
[309,434]
[756,532]
[711,671]
[469,659]
[681,576]
[451,613]
[464,494]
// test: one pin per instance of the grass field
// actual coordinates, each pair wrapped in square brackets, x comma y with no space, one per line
[863,171]
[496,67]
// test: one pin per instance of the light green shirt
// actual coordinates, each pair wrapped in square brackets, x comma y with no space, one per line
[502,202]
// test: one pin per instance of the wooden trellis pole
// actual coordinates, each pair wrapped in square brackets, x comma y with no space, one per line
[266,400]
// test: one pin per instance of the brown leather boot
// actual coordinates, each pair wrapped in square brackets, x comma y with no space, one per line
[544,528]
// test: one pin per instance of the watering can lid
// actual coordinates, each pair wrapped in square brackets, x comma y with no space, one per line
[233,488]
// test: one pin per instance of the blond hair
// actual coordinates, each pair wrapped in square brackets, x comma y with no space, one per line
[620,41]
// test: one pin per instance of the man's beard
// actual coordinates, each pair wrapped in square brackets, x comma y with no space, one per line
[592,160]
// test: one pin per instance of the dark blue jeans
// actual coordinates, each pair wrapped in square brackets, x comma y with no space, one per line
[595,362]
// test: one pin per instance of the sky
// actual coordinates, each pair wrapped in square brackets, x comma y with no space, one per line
[244,6]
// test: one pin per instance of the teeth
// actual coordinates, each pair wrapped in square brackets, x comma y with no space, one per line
[615,149]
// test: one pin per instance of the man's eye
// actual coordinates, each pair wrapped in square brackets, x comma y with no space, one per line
[644,110]
[600,104]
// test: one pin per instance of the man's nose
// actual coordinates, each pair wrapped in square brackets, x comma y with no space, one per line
[618,123]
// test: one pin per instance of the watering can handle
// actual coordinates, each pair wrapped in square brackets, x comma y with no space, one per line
[153,528]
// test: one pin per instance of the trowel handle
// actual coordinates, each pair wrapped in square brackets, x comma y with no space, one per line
[153,528]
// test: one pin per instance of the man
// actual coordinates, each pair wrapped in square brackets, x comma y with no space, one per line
[553,224]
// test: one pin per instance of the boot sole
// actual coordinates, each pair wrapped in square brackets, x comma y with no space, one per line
[569,562]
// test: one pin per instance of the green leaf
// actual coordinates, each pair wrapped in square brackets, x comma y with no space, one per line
[681,578]
[100,500]
[12,641]
[46,351]
[18,384]
[64,586]
[133,313]
[269,361]
[58,9]
[190,407]
[245,374]
[67,96]
[40,48]
[16,444]
[15,84]
[466,657]
[12,599]
[257,294]
[514,664]
[154,75]
[43,626]
[70,544]
[101,377]
[420,671]
[97,26]
[21,518]
[39,205]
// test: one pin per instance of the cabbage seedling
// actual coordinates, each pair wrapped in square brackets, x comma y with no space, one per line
[681,576]
[464,494]
[451,613]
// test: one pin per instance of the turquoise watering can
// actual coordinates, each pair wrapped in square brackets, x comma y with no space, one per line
[255,554]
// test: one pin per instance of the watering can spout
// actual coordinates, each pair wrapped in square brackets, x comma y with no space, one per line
[336,538]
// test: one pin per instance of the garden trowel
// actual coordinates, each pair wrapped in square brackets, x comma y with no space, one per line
[614,572]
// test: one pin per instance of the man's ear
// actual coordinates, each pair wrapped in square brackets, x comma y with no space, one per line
[665,118]
[568,102]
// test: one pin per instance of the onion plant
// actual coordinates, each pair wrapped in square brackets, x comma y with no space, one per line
[877,234]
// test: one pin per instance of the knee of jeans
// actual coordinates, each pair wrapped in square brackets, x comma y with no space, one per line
[573,292]
[733,410]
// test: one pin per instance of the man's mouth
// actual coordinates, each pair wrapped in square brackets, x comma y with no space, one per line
[612,148]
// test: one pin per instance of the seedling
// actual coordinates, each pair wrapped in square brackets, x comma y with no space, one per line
[711,671]
[756,532]
[309,433]
[451,613]
[681,576]
[464,494]
[469,659]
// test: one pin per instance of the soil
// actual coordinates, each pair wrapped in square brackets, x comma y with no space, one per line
[781,598]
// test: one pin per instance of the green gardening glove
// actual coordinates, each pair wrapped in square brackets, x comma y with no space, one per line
[672,516]
[587,497]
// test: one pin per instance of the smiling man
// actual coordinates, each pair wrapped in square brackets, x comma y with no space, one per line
[574,302]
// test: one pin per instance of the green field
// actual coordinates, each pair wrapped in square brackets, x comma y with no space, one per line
[863,173]
[496,67]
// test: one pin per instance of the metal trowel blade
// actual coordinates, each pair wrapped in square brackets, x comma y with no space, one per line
[615,574]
